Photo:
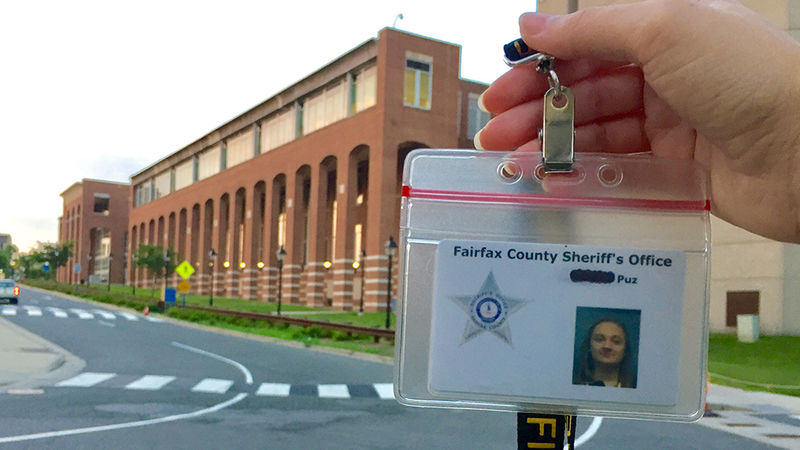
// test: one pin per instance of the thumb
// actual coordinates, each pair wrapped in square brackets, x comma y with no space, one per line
[606,33]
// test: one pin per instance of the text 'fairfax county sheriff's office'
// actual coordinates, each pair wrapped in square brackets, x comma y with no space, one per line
[567,256]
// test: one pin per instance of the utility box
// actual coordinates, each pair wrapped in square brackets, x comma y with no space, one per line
[747,327]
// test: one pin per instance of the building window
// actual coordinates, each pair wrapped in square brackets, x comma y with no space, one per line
[278,130]
[239,148]
[364,90]
[208,163]
[184,173]
[161,183]
[101,204]
[417,86]
[476,119]
[357,232]
[325,108]
[142,193]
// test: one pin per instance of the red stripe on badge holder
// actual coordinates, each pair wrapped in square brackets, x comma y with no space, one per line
[543,200]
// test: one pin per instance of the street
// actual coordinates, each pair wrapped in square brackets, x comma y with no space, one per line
[151,383]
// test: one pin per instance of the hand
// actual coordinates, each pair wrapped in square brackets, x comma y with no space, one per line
[703,79]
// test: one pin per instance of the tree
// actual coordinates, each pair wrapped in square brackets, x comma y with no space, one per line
[155,259]
[6,256]
[56,255]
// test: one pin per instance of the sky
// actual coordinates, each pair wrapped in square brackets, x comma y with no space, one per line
[103,89]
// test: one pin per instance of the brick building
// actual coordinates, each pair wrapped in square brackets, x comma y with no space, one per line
[314,171]
[749,274]
[95,219]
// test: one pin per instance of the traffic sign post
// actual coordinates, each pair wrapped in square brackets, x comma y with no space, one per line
[184,287]
[184,270]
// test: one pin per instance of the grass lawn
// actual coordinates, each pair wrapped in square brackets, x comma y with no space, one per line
[772,360]
[313,335]
[236,304]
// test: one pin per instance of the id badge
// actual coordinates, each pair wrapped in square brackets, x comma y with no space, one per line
[577,293]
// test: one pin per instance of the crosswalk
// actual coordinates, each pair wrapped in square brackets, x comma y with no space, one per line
[83,314]
[382,391]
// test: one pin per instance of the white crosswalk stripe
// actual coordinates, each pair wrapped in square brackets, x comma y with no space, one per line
[128,315]
[333,391]
[274,389]
[33,310]
[105,314]
[150,382]
[213,386]
[385,390]
[86,379]
[9,311]
[82,314]
[60,313]
[152,319]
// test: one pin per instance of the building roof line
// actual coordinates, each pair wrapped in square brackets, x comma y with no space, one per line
[368,42]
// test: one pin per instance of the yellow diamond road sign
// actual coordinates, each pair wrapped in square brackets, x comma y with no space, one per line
[184,286]
[184,269]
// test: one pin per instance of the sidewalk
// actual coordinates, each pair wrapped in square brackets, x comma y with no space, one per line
[27,360]
[724,397]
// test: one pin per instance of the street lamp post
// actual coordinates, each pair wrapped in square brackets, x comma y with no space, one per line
[89,268]
[166,267]
[133,273]
[356,266]
[280,254]
[390,247]
[211,257]
[108,276]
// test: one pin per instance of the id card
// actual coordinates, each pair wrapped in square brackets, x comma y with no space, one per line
[578,293]
[541,320]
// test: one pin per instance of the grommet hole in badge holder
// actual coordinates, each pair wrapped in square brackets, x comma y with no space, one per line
[609,175]
[577,175]
[509,172]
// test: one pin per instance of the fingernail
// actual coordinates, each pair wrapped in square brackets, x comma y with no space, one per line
[534,23]
[480,103]
[476,141]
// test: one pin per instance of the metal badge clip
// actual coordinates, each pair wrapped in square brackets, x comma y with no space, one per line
[558,120]
[558,130]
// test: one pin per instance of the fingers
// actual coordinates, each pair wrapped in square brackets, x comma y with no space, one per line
[617,94]
[523,84]
[621,135]
[609,33]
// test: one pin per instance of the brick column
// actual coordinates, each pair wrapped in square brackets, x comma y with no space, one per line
[314,275]
[268,280]
[383,215]
[290,288]
[346,180]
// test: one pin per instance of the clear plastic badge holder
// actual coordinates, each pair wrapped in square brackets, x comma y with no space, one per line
[583,293]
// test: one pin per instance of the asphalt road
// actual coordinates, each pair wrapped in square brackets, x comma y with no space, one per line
[155,384]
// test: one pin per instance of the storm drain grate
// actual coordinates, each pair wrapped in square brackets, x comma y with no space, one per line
[783,436]
[35,350]
[742,425]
